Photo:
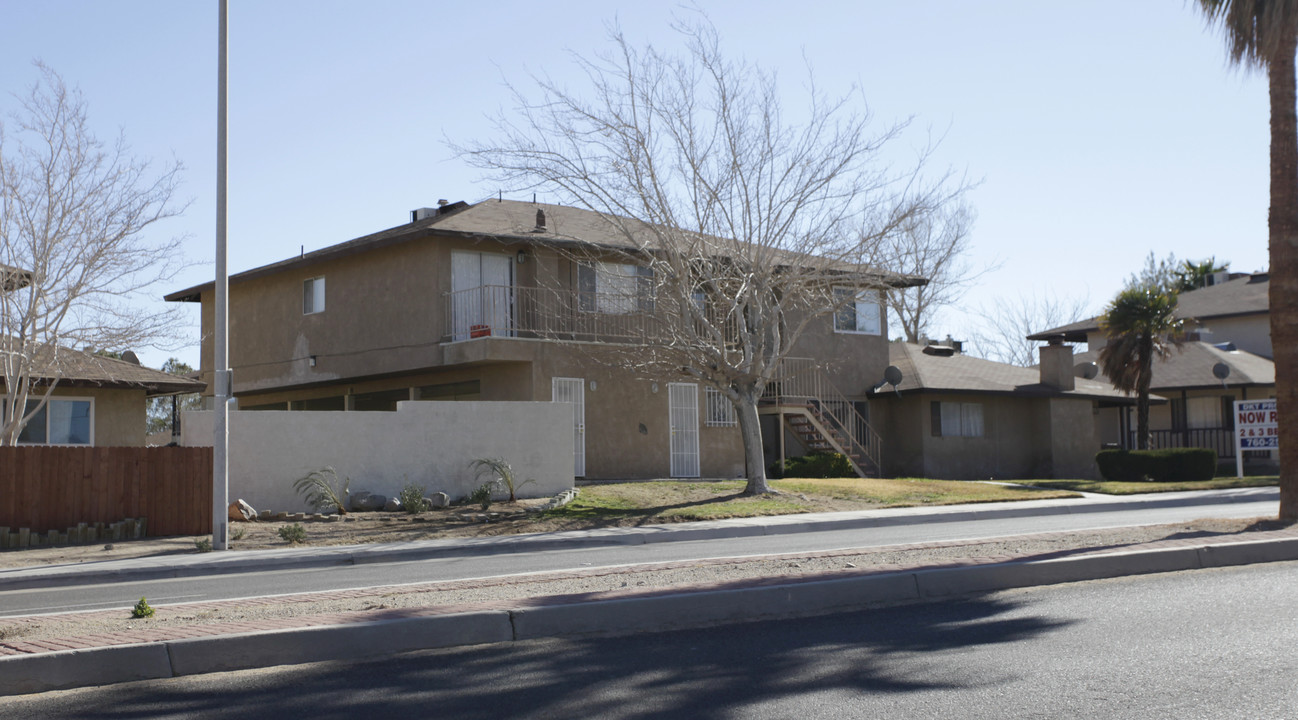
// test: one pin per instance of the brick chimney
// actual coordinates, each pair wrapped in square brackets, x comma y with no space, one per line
[1057,365]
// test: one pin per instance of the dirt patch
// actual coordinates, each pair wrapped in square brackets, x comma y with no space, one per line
[504,518]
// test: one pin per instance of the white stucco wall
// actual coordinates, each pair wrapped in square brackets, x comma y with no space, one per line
[425,443]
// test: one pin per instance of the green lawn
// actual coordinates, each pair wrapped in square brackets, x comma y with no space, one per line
[672,501]
[1135,488]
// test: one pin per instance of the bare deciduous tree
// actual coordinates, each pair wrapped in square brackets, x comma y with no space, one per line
[73,211]
[934,246]
[741,217]
[1003,335]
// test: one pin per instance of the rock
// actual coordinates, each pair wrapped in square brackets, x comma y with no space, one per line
[392,505]
[367,502]
[358,499]
[438,499]
[242,511]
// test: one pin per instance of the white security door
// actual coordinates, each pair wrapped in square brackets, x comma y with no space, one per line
[683,413]
[481,294]
[573,390]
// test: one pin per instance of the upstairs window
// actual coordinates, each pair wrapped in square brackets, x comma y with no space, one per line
[858,311]
[615,288]
[313,295]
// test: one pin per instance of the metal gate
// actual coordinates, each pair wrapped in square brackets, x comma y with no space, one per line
[573,390]
[683,412]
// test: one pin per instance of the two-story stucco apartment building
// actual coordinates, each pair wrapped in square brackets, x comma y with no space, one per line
[489,302]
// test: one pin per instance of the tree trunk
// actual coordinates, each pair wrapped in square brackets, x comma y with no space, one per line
[1283,237]
[750,429]
[1144,356]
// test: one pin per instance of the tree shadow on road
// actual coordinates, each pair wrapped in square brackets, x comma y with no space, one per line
[703,673]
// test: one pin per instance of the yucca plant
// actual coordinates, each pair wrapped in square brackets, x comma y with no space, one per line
[500,471]
[321,490]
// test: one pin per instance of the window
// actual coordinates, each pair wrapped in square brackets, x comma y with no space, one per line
[382,401]
[721,412]
[614,288]
[467,390]
[951,419]
[1203,412]
[63,421]
[313,295]
[858,311]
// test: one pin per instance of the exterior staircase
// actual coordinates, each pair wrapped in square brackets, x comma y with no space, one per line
[821,417]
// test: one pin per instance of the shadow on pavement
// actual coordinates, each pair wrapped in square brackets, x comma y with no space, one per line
[708,673]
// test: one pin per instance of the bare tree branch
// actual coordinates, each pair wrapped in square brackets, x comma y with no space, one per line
[742,220]
[1003,336]
[73,211]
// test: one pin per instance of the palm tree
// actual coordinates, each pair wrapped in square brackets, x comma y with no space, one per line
[1264,34]
[1141,324]
[1193,275]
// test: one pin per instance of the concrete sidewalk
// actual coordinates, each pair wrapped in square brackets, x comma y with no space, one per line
[217,563]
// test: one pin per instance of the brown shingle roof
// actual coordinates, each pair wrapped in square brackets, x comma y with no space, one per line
[80,369]
[510,221]
[1191,367]
[962,373]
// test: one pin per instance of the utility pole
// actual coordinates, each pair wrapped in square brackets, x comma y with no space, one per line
[221,358]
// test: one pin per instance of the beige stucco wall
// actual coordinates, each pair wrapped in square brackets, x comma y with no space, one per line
[1022,438]
[424,443]
[1073,440]
[119,414]
[1251,333]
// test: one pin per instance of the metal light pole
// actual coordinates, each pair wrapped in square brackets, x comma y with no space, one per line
[221,356]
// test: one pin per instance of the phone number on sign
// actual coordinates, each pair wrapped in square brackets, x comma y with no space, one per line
[1260,442]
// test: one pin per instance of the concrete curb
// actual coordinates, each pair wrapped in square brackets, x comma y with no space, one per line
[21,674]
[295,559]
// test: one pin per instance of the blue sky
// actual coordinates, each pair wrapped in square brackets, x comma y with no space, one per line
[1101,131]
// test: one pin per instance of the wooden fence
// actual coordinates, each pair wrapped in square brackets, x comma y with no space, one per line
[54,488]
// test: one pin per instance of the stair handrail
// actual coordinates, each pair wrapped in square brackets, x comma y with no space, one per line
[805,379]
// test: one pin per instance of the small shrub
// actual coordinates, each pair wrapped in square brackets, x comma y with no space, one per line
[237,532]
[322,491]
[292,534]
[500,472]
[142,609]
[203,545]
[412,499]
[1170,465]
[482,495]
[813,465]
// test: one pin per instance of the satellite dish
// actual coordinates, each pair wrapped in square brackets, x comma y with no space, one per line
[892,375]
[1086,370]
[1221,371]
[131,357]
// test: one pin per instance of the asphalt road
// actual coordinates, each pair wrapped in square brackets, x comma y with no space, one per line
[255,584]
[1193,645]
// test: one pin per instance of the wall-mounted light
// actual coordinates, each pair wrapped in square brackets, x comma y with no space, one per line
[311,361]
[592,386]
[521,256]
[653,387]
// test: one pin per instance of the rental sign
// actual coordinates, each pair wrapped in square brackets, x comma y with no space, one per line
[1256,428]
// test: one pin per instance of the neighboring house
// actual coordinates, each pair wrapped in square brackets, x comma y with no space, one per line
[1235,309]
[1225,356]
[959,417]
[99,401]
[508,301]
